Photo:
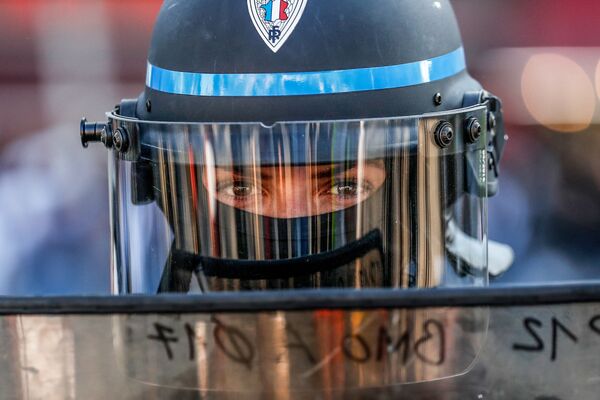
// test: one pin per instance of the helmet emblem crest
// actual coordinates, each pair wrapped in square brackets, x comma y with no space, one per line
[275,20]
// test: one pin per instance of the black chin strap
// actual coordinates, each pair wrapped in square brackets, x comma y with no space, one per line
[181,265]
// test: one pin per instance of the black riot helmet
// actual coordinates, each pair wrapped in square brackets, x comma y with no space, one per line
[285,144]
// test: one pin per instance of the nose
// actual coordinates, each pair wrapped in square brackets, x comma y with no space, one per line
[293,201]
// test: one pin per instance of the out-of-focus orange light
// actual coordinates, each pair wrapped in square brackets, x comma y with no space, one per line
[558,93]
[598,79]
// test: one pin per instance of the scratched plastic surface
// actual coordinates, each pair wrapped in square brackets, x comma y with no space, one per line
[536,352]
[323,350]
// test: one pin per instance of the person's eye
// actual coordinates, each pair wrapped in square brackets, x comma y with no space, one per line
[349,189]
[238,189]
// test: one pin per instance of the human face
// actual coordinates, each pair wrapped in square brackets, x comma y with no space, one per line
[297,191]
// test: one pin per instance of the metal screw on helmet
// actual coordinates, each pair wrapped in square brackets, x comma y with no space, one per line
[120,140]
[444,134]
[148,105]
[437,99]
[91,132]
[491,121]
[473,129]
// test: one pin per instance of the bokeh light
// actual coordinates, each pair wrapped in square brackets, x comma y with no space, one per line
[558,93]
[598,79]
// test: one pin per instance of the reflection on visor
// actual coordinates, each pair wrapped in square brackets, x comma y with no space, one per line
[297,199]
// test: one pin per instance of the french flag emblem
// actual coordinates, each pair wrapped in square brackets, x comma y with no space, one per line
[275,10]
[275,20]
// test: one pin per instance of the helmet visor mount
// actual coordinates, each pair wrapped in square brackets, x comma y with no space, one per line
[356,204]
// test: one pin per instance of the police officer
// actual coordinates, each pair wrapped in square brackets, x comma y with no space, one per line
[288,144]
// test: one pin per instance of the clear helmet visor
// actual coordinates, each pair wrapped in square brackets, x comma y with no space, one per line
[385,203]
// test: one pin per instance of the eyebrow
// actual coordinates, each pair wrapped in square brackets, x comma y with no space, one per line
[266,171]
[335,170]
[247,172]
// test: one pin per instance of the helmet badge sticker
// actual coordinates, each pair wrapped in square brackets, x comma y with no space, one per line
[275,20]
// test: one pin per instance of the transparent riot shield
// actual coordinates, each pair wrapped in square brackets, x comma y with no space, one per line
[540,343]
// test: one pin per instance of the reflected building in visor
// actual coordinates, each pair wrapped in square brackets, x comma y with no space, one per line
[323,145]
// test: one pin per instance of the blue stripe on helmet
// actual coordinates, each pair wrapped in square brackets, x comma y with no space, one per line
[306,83]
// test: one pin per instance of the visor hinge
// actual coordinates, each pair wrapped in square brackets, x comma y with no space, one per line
[496,141]
[91,132]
